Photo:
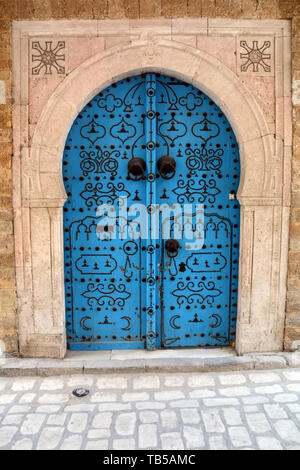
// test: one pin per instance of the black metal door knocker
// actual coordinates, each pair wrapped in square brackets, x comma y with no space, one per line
[172,247]
[136,169]
[166,166]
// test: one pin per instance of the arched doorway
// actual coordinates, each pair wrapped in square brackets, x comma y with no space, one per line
[40,194]
[137,292]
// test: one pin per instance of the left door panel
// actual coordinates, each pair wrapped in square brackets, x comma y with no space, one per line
[103,273]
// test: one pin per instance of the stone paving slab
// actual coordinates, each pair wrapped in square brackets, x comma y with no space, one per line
[95,362]
[234,410]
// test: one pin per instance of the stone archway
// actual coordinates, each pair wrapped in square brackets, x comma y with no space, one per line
[38,220]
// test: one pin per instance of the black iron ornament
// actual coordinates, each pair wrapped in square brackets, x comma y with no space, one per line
[136,169]
[166,166]
[172,247]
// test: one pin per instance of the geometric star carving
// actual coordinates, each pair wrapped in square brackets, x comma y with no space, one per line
[48,58]
[255,56]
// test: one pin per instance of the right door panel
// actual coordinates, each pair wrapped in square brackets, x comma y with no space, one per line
[198,286]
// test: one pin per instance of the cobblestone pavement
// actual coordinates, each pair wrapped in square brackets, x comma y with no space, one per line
[230,410]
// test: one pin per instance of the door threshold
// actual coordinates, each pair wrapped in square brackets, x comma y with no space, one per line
[129,361]
[138,354]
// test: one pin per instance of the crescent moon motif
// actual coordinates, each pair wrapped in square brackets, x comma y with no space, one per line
[128,326]
[172,322]
[218,320]
[82,323]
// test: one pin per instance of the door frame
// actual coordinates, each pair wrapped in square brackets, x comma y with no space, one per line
[39,193]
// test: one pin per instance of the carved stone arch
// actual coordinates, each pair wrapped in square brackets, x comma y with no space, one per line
[191,65]
[260,312]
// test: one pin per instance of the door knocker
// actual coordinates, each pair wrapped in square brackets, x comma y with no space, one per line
[136,169]
[166,166]
[172,247]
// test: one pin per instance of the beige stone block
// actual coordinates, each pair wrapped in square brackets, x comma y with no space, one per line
[43,345]
[258,27]
[8,323]
[16,172]
[101,72]
[133,55]
[287,175]
[279,123]
[6,226]
[26,234]
[296,92]
[55,121]
[189,40]
[6,246]
[2,92]
[151,54]
[25,308]
[260,256]
[191,25]
[247,117]
[40,91]
[109,27]
[20,116]
[286,67]
[223,48]
[23,92]
[296,180]
[31,131]
[274,166]
[287,120]
[5,135]
[43,292]
[278,59]
[161,25]
[49,162]
[263,91]
[53,27]
[7,300]
[112,41]
[37,140]
[25,167]
[7,280]
[52,185]
[253,169]
[16,68]
[171,59]
[216,82]
[76,90]
[19,277]
[82,48]
[57,265]
[18,233]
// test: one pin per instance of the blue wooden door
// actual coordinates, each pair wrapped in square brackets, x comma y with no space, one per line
[125,287]
[199,284]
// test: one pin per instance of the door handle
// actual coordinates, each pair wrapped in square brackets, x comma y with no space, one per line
[136,169]
[172,246]
[166,166]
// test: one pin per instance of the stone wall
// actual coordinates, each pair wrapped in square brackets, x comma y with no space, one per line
[292,331]
[101,9]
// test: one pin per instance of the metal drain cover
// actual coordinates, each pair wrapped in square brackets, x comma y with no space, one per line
[80,392]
